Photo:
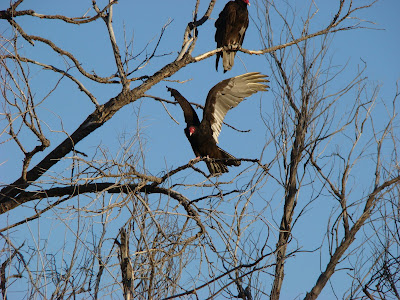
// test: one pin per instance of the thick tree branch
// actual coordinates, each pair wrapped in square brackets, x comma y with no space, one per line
[348,240]
[95,120]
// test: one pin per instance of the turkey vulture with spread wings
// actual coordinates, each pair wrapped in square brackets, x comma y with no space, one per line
[203,136]
[231,27]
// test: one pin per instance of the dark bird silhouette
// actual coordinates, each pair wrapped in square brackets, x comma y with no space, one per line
[203,136]
[231,27]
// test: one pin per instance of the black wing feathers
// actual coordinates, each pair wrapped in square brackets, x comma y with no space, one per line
[191,117]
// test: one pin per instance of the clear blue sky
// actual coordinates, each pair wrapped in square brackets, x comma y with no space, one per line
[166,144]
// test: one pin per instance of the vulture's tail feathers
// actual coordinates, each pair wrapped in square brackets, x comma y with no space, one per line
[217,61]
[220,166]
[216,167]
[228,58]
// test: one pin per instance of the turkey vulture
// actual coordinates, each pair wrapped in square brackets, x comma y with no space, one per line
[231,27]
[203,136]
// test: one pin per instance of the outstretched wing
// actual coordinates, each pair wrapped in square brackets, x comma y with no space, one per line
[228,94]
[191,117]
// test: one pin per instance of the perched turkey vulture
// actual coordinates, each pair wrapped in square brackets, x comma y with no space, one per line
[203,136]
[231,27]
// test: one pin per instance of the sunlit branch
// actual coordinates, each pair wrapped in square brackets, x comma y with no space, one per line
[189,40]
[117,55]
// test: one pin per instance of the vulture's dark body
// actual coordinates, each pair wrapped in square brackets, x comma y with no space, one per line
[203,136]
[204,146]
[231,27]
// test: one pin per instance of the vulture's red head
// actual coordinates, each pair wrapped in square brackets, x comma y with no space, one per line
[246,1]
[192,129]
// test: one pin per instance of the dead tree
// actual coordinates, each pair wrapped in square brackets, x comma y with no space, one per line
[190,234]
